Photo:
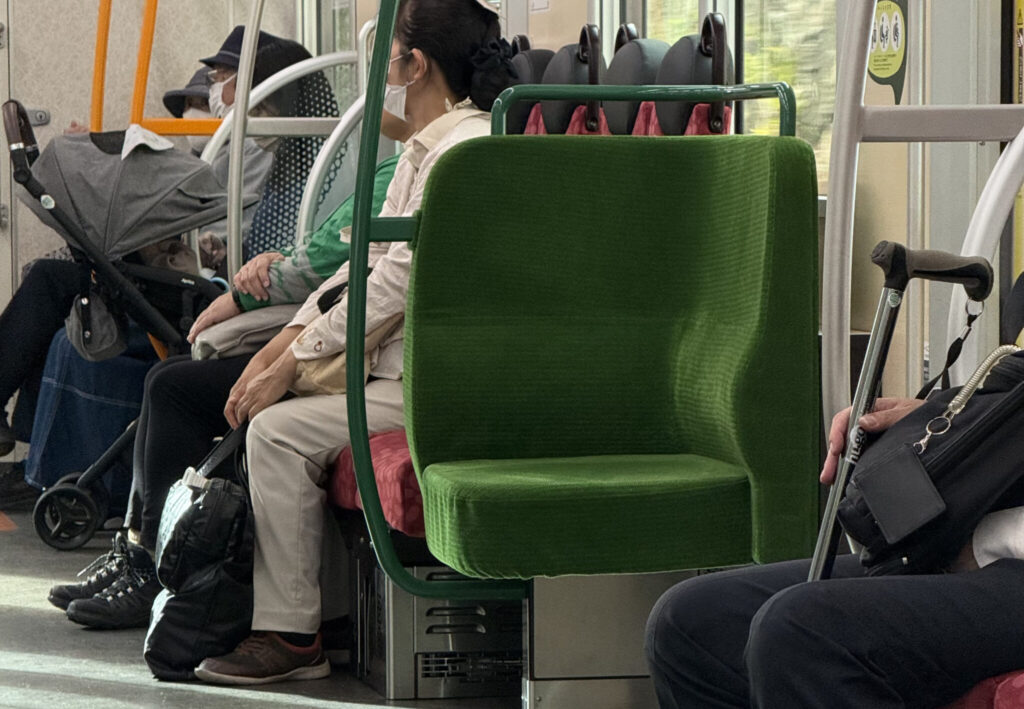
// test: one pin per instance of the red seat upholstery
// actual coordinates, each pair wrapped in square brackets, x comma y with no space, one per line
[396,482]
[1002,692]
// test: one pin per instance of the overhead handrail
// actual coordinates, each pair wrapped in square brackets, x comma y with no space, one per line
[693,94]
[263,126]
[853,124]
[321,166]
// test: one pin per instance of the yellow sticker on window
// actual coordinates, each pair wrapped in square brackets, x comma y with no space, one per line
[888,50]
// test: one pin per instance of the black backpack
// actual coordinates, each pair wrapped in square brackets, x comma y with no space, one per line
[914,499]
[204,561]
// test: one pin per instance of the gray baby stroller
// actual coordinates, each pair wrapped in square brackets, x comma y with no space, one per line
[109,210]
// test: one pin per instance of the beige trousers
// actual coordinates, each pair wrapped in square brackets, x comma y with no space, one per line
[290,446]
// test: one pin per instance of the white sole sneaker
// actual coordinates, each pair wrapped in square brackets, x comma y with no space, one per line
[317,671]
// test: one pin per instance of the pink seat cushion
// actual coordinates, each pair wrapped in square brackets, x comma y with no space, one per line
[535,122]
[396,483]
[1002,692]
[578,123]
[698,123]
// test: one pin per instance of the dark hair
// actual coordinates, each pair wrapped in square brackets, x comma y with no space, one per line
[464,39]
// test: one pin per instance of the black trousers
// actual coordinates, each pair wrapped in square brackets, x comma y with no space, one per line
[27,325]
[763,637]
[182,411]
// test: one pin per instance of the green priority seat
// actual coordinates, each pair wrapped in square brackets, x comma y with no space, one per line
[611,357]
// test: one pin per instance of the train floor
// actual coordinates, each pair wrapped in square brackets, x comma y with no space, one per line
[48,662]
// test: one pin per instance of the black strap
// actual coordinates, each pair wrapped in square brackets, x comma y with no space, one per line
[952,355]
[223,450]
[1011,322]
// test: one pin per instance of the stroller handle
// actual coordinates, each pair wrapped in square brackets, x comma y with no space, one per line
[901,264]
[20,138]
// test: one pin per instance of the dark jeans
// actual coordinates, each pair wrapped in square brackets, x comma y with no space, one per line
[27,325]
[182,411]
[761,637]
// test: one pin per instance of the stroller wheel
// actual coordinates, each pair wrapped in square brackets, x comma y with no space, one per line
[97,490]
[66,516]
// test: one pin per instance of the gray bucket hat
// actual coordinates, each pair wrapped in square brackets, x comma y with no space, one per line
[198,86]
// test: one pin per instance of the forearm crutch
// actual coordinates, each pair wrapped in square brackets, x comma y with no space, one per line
[899,264]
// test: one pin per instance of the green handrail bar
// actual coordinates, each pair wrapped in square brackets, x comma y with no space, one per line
[364,230]
[694,94]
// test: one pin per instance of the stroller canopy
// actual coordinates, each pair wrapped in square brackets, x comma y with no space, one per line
[124,205]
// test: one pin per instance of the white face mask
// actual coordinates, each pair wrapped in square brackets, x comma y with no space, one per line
[394,99]
[217,106]
[197,142]
[395,95]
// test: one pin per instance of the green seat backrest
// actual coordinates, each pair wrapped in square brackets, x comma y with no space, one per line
[575,296]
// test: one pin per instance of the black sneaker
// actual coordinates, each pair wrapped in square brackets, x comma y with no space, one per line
[126,602]
[16,495]
[7,438]
[99,575]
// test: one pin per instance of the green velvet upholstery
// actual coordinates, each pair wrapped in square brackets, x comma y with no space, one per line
[611,354]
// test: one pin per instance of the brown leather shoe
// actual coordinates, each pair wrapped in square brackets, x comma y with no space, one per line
[265,657]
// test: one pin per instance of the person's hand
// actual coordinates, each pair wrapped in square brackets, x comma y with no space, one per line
[263,390]
[222,308]
[254,277]
[212,250]
[76,128]
[885,414]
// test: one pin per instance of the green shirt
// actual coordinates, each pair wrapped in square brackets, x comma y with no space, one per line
[316,258]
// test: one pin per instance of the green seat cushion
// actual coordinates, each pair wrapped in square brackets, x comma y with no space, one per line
[622,299]
[553,516]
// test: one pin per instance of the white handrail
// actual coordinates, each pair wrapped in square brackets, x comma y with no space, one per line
[842,185]
[227,129]
[321,167]
[983,234]
[363,48]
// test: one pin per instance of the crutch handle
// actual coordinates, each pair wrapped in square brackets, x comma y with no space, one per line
[901,264]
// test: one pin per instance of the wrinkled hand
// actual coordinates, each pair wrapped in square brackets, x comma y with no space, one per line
[886,412]
[222,308]
[251,395]
[254,277]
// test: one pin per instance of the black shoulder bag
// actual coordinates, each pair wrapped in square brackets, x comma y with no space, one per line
[920,489]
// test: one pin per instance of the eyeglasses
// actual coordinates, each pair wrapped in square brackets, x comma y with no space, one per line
[218,75]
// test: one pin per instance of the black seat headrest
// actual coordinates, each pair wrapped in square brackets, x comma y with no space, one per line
[529,65]
[689,62]
[520,43]
[572,65]
[636,63]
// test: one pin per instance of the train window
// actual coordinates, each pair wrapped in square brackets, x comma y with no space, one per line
[783,40]
[671,19]
[795,43]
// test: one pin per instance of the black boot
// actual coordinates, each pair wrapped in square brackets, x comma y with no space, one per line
[99,575]
[126,602]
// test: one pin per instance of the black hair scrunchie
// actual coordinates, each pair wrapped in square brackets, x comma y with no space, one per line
[491,55]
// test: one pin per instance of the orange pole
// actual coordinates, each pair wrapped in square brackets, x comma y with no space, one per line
[99,69]
[181,126]
[145,53]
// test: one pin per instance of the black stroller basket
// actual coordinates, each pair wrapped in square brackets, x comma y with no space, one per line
[162,301]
